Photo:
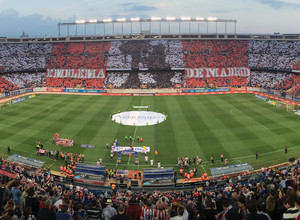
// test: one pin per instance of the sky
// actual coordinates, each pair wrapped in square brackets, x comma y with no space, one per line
[39,18]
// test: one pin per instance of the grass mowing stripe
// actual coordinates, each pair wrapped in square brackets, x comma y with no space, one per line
[262,145]
[267,119]
[164,132]
[201,130]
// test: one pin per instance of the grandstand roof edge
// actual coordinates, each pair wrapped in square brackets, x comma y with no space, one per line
[190,36]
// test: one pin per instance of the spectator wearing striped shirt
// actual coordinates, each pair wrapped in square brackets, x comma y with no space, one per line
[289,204]
[147,211]
[160,211]
[94,211]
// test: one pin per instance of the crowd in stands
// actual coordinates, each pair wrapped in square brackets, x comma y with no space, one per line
[161,79]
[23,56]
[155,54]
[212,53]
[267,80]
[151,79]
[231,81]
[6,86]
[89,55]
[25,80]
[274,54]
[74,83]
[277,81]
[36,194]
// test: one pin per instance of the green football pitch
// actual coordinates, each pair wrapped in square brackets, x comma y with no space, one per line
[236,125]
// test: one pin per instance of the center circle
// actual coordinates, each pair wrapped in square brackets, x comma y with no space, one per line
[138,118]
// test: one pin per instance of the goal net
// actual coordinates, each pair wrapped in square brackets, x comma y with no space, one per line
[289,107]
[5,104]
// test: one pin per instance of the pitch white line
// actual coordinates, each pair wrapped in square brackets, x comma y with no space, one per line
[51,165]
[13,109]
[50,107]
[203,168]
[252,119]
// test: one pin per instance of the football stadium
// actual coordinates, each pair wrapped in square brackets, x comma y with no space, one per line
[150,125]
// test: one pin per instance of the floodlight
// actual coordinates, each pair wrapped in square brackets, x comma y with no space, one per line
[107,20]
[80,21]
[185,18]
[155,19]
[134,19]
[212,19]
[121,19]
[93,21]
[200,19]
[170,18]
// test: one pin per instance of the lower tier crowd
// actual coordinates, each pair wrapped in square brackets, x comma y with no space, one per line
[162,79]
[36,194]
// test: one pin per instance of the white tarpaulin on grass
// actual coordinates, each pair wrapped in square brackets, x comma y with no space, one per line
[138,118]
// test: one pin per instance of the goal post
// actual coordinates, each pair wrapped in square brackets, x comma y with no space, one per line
[6,103]
[289,107]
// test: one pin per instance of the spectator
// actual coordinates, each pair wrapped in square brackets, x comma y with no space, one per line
[94,211]
[108,211]
[160,211]
[46,213]
[271,208]
[252,212]
[63,214]
[229,211]
[17,196]
[27,214]
[32,201]
[291,210]
[82,213]
[209,212]
[121,213]
[133,210]
[147,211]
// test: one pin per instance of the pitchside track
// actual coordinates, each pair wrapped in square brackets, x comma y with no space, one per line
[236,125]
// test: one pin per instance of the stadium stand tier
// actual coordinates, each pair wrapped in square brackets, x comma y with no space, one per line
[151,64]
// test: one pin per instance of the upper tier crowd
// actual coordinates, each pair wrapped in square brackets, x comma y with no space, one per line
[154,54]
[36,194]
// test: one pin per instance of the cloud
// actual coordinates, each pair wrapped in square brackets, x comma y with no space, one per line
[142,8]
[220,11]
[35,25]
[277,4]
[128,4]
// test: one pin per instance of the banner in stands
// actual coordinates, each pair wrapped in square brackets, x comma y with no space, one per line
[205,90]
[5,173]
[217,72]
[53,90]
[296,99]
[26,161]
[76,73]
[40,89]
[238,89]
[17,92]
[85,90]
[261,97]
[18,100]
[218,171]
